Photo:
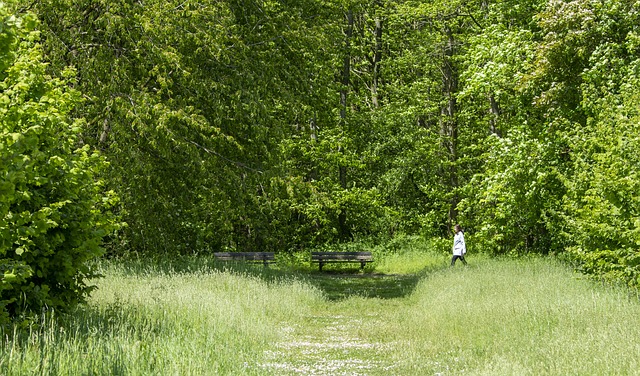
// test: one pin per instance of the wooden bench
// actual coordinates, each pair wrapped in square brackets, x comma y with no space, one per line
[264,257]
[341,257]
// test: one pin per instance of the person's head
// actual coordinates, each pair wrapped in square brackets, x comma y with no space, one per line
[458,228]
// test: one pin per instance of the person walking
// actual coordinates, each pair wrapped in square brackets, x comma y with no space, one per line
[459,246]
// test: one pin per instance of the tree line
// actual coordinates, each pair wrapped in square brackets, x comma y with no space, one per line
[283,125]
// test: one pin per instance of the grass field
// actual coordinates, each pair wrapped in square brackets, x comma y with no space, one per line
[408,315]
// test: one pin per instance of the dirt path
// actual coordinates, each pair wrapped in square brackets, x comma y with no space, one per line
[327,345]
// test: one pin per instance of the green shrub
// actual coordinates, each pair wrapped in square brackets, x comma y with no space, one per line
[53,212]
[603,206]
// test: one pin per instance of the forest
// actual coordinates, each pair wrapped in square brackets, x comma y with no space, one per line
[156,129]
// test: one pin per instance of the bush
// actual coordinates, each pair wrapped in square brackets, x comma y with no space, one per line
[53,213]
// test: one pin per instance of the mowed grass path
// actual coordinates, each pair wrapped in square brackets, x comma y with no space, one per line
[494,317]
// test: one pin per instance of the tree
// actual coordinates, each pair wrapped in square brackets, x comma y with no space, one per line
[602,207]
[331,196]
[512,201]
[190,101]
[54,211]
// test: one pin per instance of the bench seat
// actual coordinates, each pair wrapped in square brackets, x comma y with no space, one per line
[341,257]
[263,257]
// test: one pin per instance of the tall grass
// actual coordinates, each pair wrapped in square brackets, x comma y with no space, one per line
[494,317]
[515,317]
[159,322]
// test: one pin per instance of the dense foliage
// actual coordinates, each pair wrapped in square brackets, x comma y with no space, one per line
[53,209]
[249,124]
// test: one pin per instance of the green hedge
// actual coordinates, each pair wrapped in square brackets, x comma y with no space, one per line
[53,210]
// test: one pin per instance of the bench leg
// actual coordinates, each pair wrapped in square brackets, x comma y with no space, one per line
[320,266]
[362,264]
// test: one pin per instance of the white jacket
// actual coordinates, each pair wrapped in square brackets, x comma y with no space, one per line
[459,247]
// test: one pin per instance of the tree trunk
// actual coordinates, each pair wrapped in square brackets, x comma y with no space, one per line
[377,57]
[346,66]
[343,229]
[313,129]
[106,128]
[494,110]
[449,125]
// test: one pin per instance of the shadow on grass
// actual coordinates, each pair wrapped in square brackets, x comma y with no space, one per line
[338,286]
[337,283]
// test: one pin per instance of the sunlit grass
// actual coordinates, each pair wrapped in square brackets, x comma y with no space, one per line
[493,317]
[195,323]
[411,262]
[513,317]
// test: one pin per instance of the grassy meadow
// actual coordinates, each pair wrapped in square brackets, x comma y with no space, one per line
[408,314]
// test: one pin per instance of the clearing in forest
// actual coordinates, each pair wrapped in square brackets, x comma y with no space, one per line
[498,316]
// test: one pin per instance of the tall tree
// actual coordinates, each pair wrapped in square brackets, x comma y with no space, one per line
[503,202]
[190,100]
[345,82]
[602,202]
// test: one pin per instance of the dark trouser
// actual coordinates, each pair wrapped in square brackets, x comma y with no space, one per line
[455,257]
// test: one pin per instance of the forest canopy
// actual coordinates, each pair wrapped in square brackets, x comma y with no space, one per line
[282,125]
